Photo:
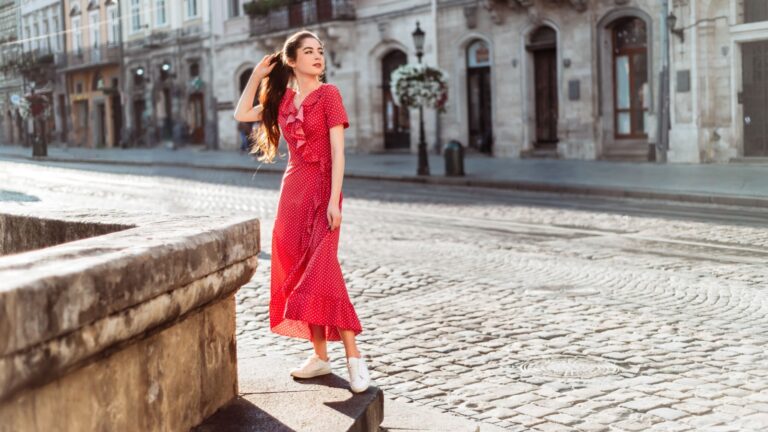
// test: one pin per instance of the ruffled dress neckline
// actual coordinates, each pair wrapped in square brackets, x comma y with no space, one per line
[296,115]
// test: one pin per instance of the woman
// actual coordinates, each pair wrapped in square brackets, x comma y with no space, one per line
[309,298]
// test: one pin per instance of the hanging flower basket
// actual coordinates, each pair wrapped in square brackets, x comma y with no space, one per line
[419,85]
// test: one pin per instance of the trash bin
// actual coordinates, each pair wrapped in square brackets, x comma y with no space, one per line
[454,159]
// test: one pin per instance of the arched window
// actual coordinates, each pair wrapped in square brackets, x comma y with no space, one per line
[544,35]
[478,54]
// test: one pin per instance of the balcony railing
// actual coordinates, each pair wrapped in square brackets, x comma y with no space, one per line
[102,55]
[302,14]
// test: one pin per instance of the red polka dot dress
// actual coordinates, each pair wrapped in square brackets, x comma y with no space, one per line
[307,286]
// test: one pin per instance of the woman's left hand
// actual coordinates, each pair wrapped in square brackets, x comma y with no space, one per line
[334,216]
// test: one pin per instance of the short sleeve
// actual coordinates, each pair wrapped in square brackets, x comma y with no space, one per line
[335,114]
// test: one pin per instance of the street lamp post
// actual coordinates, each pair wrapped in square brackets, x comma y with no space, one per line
[418,41]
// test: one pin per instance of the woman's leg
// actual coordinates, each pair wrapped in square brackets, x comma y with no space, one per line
[318,340]
[350,346]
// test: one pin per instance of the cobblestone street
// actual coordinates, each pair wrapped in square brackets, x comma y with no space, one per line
[526,311]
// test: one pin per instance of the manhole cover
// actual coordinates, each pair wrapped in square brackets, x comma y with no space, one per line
[569,367]
[6,195]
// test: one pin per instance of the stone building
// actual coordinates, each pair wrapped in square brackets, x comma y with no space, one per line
[168,72]
[719,51]
[10,81]
[42,39]
[639,80]
[92,72]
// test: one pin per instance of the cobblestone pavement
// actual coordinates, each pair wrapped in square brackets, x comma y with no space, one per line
[530,312]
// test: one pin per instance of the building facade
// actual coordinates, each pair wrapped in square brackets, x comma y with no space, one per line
[719,52]
[168,72]
[577,79]
[92,73]
[11,124]
[41,27]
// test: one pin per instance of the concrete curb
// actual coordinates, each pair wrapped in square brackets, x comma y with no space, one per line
[521,185]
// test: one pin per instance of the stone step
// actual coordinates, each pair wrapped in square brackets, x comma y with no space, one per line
[271,400]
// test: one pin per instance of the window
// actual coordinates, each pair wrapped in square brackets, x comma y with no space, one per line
[630,74]
[56,34]
[755,10]
[234,8]
[36,37]
[162,19]
[46,41]
[135,15]
[478,54]
[77,35]
[27,42]
[192,8]
[95,25]
[114,25]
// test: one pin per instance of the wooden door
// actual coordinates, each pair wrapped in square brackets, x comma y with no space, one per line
[755,98]
[117,119]
[397,129]
[197,118]
[479,101]
[545,65]
[101,125]
[139,105]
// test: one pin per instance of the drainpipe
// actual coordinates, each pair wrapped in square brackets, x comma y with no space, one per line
[662,133]
[214,128]
[438,131]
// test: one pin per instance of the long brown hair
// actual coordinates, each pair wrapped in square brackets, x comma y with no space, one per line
[266,138]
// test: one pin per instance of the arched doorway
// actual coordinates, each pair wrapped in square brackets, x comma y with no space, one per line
[542,45]
[630,78]
[196,106]
[397,128]
[479,96]
[243,81]
[625,83]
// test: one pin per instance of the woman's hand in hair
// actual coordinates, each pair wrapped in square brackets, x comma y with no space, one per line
[264,67]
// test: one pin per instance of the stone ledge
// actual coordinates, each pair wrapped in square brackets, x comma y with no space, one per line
[68,286]
[65,306]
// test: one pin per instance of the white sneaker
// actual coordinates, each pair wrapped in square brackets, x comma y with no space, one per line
[359,378]
[312,367]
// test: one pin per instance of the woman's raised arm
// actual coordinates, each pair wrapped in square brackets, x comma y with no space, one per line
[245,111]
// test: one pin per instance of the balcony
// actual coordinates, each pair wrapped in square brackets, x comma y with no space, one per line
[302,14]
[104,55]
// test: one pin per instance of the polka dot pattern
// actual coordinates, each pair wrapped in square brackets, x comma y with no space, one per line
[307,286]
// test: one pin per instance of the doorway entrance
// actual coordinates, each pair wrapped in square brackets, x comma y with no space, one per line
[543,47]
[755,98]
[479,96]
[397,128]
[196,118]
[101,126]
[139,105]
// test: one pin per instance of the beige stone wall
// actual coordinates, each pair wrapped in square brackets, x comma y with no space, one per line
[169,381]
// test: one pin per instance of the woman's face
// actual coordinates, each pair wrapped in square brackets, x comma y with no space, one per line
[310,58]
